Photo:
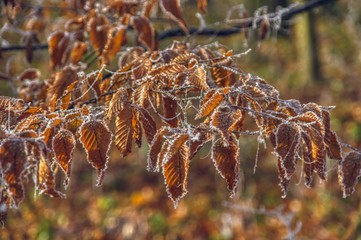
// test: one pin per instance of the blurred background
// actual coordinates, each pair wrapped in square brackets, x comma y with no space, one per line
[316,57]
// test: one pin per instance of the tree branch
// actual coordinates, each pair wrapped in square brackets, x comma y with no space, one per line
[247,23]
[242,24]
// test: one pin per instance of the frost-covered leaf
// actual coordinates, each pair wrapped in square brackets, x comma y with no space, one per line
[154,150]
[212,100]
[288,139]
[13,163]
[124,130]
[148,124]
[96,138]
[175,171]
[46,179]
[198,79]
[226,160]
[350,171]
[63,147]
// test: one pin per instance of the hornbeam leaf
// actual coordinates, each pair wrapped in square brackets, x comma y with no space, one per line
[63,146]
[288,139]
[124,130]
[12,167]
[308,165]
[226,160]
[170,111]
[154,150]
[172,9]
[96,138]
[349,172]
[46,180]
[174,144]
[198,78]
[119,100]
[146,31]
[98,28]
[148,124]
[175,171]
[137,128]
[212,100]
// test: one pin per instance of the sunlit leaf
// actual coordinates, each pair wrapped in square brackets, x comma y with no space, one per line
[226,160]
[96,138]
[63,147]
[175,171]
[124,130]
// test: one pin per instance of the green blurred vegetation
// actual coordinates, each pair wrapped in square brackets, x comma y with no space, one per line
[133,204]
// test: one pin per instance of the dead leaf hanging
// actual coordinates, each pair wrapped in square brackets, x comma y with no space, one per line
[172,9]
[63,147]
[96,138]
[349,172]
[175,171]
[226,160]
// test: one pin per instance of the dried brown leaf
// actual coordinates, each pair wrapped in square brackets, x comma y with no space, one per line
[170,111]
[12,162]
[63,147]
[288,139]
[175,171]
[146,31]
[96,138]
[349,171]
[124,130]
[172,9]
[211,100]
[226,160]
[198,79]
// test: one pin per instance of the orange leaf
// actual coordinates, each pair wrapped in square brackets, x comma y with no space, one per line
[172,9]
[146,31]
[226,160]
[202,5]
[170,111]
[119,100]
[98,28]
[124,130]
[46,180]
[63,147]
[175,171]
[212,100]
[198,79]
[154,150]
[96,138]
[137,128]
[61,82]
[148,124]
